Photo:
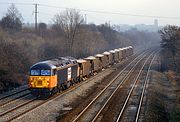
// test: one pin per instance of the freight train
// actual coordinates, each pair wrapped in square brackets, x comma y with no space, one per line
[51,76]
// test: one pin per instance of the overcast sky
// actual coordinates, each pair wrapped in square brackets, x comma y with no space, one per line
[165,8]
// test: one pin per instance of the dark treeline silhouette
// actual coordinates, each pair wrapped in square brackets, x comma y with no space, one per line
[12,21]
[170,44]
[69,35]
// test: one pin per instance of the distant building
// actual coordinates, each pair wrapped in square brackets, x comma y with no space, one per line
[156,23]
[140,27]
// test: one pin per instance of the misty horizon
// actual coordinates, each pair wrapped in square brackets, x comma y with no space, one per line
[116,12]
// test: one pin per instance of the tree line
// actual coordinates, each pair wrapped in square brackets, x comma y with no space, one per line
[170,44]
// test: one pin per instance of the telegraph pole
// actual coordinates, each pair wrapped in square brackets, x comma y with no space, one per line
[85,18]
[35,17]
[109,24]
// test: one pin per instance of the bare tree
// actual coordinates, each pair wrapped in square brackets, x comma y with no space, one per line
[13,20]
[69,22]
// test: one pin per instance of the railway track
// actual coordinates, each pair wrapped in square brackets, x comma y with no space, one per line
[14,98]
[14,95]
[125,108]
[13,92]
[16,107]
[131,107]
[94,108]
[143,91]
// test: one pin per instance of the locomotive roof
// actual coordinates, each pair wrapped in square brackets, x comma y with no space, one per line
[55,63]
[43,65]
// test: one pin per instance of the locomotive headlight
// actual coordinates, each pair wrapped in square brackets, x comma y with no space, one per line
[47,83]
[47,80]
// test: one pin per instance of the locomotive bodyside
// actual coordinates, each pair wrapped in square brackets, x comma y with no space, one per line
[66,75]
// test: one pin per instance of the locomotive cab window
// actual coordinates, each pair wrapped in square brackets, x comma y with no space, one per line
[46,72]
[35,72]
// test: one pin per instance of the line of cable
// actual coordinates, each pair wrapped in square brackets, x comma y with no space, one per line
[101,12]
[16,3]
[117,13]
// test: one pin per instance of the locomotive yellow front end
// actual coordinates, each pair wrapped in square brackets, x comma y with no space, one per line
[42,82]
[42,79]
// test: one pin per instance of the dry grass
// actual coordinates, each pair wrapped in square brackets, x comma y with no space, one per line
[160,99]
[174,78]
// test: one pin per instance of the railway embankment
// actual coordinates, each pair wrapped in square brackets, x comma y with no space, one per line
[163,98]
